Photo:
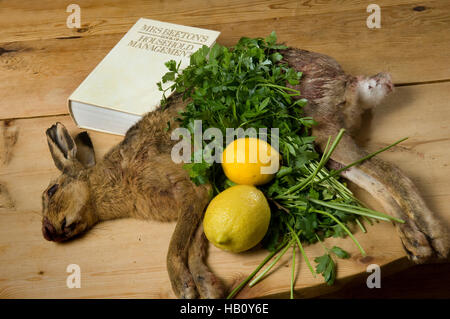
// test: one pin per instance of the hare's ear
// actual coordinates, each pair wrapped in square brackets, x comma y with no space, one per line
[85,150]
[63,148]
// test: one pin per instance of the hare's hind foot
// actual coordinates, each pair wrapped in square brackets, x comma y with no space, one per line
[189,274]
[183,284]
[208,285]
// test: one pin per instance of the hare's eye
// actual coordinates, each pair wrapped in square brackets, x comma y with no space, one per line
[52,190]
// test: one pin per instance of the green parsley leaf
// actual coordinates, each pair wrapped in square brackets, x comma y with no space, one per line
[340,252]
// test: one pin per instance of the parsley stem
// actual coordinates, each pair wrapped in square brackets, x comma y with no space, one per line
[261,275]
[361,225]
[323,246]
[357,210]
[344,228]
[334,173]
[335,185]
[334,145]
[301,249]
[325,157]
[280,87]
[305,182]
[293,271]
[245,281]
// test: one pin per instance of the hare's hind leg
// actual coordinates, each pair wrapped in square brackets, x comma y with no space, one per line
[182,282]
[208,285]
[192,203]
[423,235]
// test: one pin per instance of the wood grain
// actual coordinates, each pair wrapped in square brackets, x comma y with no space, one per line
[42,62]
[113,16]
[126,258]
[49,64]
[419,113]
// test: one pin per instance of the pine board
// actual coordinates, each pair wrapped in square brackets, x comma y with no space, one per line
[43,61]
[50,61]
[126,258]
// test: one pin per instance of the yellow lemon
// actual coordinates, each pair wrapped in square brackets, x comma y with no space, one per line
[250,161]
[237,219]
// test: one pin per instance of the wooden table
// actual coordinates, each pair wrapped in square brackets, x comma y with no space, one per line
[42,62]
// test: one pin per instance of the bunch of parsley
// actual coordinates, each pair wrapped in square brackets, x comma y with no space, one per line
[245,87]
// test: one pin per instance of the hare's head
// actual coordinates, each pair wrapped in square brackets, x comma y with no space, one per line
[66,206]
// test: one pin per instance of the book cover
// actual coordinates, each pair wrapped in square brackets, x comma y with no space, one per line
[124,82]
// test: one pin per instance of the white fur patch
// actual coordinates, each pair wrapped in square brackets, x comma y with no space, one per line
[371,91]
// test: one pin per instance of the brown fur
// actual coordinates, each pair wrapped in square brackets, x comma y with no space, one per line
[335,101]
[137,178]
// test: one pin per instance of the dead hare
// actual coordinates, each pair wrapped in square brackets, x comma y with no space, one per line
[137,177]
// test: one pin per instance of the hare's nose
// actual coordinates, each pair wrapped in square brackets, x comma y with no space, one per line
[48,230]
